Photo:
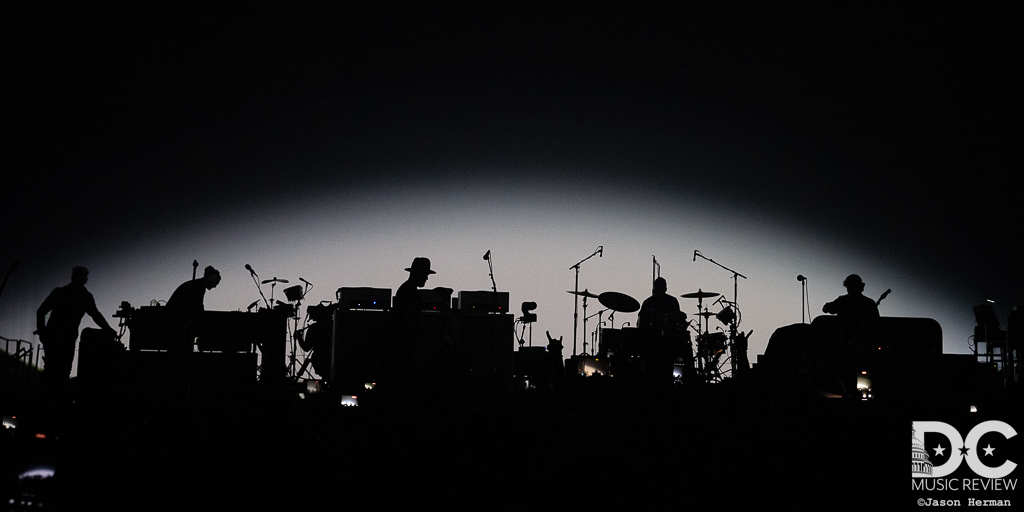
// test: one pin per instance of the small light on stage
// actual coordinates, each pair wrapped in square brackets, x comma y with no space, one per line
[313,386]
[40,473]
[369,386]
[677,372]
[349,401]
[591,366]
[974,408]
[864,385]
[40,436]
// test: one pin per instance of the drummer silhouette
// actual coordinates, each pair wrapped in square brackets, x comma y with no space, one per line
[660,312]
[661,324]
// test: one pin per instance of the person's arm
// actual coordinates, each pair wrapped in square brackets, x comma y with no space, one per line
[41,313]
[97,316]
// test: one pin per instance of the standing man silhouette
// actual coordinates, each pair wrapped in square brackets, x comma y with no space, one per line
[186,305]
[660,322]
[65,306]
[406,354]
[857,316]
[853,309]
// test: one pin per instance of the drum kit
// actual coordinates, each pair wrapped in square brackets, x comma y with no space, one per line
[614,301]
[711,346]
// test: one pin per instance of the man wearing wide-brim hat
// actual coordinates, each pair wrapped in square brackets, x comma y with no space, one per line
[405,352]
[407,299]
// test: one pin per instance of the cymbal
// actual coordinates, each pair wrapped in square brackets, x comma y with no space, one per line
[619,302]
[274,280]
[584,293]
[699,294]
[707,314]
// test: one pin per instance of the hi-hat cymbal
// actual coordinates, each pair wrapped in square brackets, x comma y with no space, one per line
[274,280]
[619,302]
[699,294]
[584,293]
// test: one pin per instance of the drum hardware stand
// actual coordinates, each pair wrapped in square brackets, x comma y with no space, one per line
[273,283]
[735,298]
[295,294]
[702,327]
[586,295]
[576,291]
[596,336]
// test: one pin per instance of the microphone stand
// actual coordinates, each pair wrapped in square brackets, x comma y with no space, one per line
[490,269]
[804,306]
[256,281]
[735,301]
[576,292]
[494,304]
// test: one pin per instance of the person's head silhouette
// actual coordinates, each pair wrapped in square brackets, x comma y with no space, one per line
[79,275]
[660,286]
[211,276]
[854,284]
[419,270]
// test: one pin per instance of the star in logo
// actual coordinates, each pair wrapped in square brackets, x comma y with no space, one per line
[939,451]
[964,450]
[988,450]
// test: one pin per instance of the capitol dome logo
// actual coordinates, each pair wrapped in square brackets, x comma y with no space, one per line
[921,465]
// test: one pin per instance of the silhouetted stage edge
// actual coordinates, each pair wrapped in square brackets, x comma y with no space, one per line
[223,438]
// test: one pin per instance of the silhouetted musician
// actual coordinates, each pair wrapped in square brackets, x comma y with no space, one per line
[857,317]
[660,321]
[186,304]
[66,306]
[660,314]
[405,353]
[853,309]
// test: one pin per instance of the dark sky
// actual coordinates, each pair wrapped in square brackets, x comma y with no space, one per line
[897,126]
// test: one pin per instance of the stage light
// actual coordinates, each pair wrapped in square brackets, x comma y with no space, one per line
[529,317]
[293,293]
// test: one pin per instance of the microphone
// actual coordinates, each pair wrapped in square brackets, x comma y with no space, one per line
[304,281]
[600,251]
[488,255]
[695,254]
[801,278]
[249,268]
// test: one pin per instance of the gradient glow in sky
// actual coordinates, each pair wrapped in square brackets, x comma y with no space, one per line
[339,146]
[337,237]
